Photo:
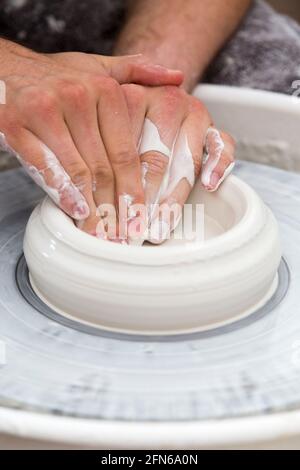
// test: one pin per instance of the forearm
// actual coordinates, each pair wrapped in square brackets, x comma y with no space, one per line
[181,34]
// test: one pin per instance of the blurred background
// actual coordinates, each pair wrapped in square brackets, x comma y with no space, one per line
[289,7]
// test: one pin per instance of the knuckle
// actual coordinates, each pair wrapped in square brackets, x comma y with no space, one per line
[102,173]
[113,85]
[40,101]
[107,84]
[125,158]
[173,94]
[78,172]
[96,80]
[157,164]
[74,92]
[134,93]
[169,101]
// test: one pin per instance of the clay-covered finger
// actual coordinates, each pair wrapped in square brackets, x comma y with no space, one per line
[219,159]
[167,111]
[185,168]
[45,119]
[168,214]
[47,172]
[183,172]
[153,140]
[155,159]
[167,108]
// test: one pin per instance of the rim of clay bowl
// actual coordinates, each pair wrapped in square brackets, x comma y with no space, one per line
[250,224]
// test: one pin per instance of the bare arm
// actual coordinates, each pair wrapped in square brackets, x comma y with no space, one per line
[182,34]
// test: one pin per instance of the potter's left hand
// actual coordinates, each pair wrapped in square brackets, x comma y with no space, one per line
[177,142]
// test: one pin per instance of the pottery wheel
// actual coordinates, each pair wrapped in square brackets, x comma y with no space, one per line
[250,367]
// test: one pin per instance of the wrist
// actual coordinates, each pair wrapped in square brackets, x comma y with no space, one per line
[162,51]
[14,57]
[159,45]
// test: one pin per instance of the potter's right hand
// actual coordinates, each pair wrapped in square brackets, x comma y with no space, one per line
[178,143]
[66,119]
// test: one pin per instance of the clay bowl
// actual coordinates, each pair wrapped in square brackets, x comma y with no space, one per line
[175,288]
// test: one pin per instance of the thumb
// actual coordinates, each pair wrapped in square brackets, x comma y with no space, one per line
[137,69]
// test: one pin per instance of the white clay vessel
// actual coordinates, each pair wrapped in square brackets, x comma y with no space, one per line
[171,289]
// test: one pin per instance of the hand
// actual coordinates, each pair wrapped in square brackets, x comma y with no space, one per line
[174,131]
[67,120]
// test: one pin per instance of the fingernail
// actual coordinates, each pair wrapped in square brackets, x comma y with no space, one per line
[216,183]
[81,210]
[160,68]
[214,180]
[132,56]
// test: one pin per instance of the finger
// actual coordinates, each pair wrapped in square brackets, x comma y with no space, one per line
[115,128]
[136,97]
[185,168]
[87,140]
[125,69]
[137,69]
[168,214]
[219,163]
[155,160]
[80,113]
[45,169]
[154,153]
[136,103]
[45,120]
[54,133]
[166,112]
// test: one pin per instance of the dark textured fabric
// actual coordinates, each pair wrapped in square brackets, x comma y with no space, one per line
[62,25]
[264,53]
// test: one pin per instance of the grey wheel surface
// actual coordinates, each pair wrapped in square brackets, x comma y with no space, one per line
[250,367]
